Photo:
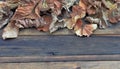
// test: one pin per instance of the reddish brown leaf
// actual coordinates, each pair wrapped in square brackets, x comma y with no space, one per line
[26,11]
[78,25]
[78,11]
[91,10]
[11,31]
[70,23]
[5,14]
[84,30]
[45,27]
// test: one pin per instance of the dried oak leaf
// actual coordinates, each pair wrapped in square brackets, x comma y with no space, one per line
[84,30]
[10,31]
[28,15]
[108,3]
[5,14]
[82,4]
[78,11]
[101,20]
[28,23]
[66,4]
[52,25]
[104,19]
[94,20]
[55,5]
[95,7]
[58,25]
[91,10]
[59,21]
[70,22]
[45,26]
[13,3]
[114,14]
[27,11]
[58,7]
[21,18]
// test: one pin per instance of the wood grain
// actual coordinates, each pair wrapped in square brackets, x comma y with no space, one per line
[35,46]
[59,45]
[54,48]
[63,65]
[32,59]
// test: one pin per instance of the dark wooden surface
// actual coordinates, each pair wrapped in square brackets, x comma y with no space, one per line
[60,48]
[35,46]
[60,45]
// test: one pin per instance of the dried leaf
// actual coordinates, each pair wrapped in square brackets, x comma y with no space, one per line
[13,3]
[70,23]
[94,20]
[26,11]
[114,15]
[109,4]
[82,5]
[5,14]
[50,15]
[11,31]
[91,10]
[84,30]
[78,11]
[52,25]
[55,5]
[67,4]
[46,25]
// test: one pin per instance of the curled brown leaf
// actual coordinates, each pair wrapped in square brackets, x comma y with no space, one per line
[84,29]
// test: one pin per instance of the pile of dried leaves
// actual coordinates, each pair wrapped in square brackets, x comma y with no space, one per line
[82,16]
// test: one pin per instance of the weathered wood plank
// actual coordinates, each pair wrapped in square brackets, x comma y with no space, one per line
[31,59]
[63,65]
[50,65]
[59,46]
[16,50]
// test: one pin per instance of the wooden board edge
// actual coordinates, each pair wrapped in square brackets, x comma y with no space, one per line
[28,59]
[34,32]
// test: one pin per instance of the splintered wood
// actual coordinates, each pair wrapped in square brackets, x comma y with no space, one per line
[81,16]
